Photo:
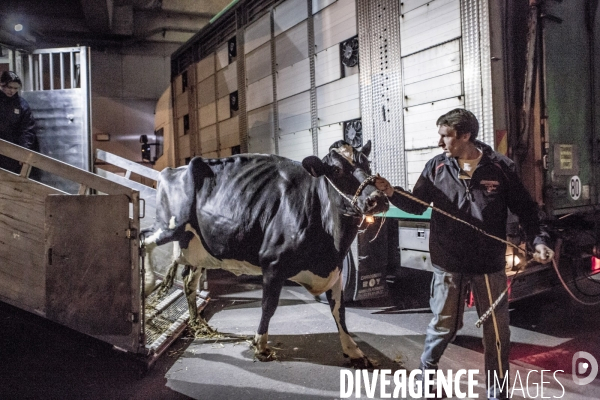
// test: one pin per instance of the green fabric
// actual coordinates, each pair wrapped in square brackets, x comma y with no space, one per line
[395,212]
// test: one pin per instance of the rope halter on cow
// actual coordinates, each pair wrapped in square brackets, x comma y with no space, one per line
[354,200]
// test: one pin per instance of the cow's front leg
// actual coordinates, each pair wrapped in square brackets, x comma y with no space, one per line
[149,277]
[338,310]
[270,299]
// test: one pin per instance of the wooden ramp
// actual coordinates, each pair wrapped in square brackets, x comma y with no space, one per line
[75,259]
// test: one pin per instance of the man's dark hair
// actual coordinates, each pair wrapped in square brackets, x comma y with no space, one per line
[462,121]
[8,77]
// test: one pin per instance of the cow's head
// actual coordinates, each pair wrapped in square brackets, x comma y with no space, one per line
[348,171]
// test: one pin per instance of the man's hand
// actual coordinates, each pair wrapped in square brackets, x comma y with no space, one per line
[383,185]
[543,254]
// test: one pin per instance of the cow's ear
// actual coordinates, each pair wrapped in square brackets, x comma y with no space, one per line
[314,166]
[366,149]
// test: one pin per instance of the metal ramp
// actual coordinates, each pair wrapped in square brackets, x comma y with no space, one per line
[75,258]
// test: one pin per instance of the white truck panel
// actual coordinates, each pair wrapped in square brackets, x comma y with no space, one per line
[260,130]
[296,146]
[416,160]
[327,135]
[258,63]
[434,89]
[184,146]
[435,22]
[206,91]
[294,113]
[223,109]
[207,115]
[181,104]
[419,122]
[293,79]
[259,93]
[227,80]
[318,5]
[205,67]
[222,56]
[328,65]
[229,133]
[257,33]
[208,139]
[288,14]
[436,61]
[291,46]
[338,101]
[335,24]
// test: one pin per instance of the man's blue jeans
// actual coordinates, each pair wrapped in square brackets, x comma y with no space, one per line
[447,302]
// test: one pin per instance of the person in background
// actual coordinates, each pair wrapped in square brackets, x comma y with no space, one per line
[478,185]
[16,121]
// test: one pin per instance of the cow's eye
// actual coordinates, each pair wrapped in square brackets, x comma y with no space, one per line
[337,171]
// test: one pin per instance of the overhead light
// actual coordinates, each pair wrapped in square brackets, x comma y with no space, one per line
[18,27]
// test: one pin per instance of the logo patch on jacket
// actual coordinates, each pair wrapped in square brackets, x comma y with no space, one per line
[17,111]
[491,186]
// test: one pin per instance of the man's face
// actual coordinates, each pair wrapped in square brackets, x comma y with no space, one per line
[452,145]
[10,89]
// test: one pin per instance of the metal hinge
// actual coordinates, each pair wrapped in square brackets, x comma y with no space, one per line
[131,233]
[132,317]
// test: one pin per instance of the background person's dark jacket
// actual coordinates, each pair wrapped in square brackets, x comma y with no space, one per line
[16,126]
[483,201]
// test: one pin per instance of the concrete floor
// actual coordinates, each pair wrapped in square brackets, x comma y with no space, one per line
[43,360]
[546,332]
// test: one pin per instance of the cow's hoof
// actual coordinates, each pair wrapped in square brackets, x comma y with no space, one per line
[265,355]
[362,363]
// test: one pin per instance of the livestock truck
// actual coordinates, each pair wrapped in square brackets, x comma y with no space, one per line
[291,77]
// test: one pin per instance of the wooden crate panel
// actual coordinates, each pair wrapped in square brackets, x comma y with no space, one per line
[22,254]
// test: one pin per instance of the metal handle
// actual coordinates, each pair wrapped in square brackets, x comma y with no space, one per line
[143,208]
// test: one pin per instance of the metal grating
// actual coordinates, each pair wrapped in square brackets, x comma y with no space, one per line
[381,86]
[487,131]
[314,122]
[162,312]
[477,65]
[241,83]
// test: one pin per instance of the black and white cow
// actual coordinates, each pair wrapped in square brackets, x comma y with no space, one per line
[265,214]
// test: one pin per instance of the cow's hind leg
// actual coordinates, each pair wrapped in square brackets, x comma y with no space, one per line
[349,346]
[167,283]
[270,298]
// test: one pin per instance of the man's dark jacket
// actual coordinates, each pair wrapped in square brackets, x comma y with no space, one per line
[16,126]
[483,200]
